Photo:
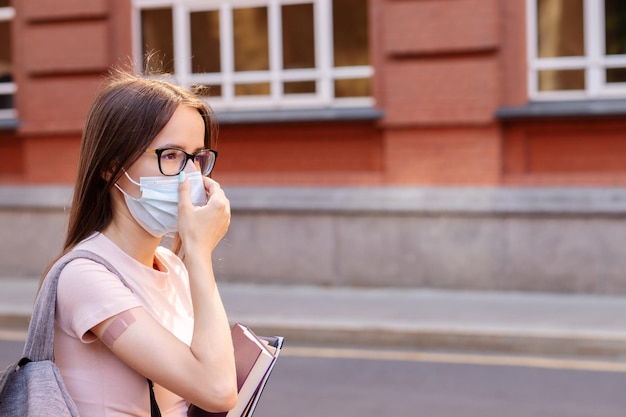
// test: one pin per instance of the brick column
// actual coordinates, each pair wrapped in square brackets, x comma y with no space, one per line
[62,49]
[440,89]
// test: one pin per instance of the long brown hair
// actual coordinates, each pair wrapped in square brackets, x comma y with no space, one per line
[122,121]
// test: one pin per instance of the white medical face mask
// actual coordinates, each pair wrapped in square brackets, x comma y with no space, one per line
[157,208]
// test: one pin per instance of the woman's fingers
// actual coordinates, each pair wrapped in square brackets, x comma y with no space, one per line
[205,225]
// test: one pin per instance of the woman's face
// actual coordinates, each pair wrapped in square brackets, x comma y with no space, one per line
[185,130]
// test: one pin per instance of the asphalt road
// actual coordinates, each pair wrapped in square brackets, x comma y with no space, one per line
[350,387]
[350,383]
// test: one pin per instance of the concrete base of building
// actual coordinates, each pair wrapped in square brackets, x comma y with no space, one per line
[506,239]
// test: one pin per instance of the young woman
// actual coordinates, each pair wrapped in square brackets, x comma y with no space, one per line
[143,173]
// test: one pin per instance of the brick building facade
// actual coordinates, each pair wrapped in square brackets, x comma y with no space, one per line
[450,108]
[444,71]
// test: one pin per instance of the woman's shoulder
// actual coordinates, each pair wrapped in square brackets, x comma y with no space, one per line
[89,293]
[96,242]
[84,274]
[97,261]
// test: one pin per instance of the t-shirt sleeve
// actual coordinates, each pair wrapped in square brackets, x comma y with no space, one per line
[88,294]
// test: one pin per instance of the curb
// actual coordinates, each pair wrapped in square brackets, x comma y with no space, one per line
[445,339]
[14,328]
[403,319]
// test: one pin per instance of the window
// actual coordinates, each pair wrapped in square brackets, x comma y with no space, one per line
[252,54]
[577,49]
[7,86]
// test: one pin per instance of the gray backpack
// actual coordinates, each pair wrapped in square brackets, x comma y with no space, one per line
[33,386]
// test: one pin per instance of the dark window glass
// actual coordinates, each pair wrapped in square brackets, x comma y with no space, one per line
[207,90]
[299,87]
[353,88]
[254,89]
[298,36]
[555,80]
[615,22]
[6,75]
[251,41]
[616,75]
[350,34]
[560,28]
[5,52]
[157,40]
[205,41]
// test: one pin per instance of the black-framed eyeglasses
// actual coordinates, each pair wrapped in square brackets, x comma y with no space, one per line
[173,160]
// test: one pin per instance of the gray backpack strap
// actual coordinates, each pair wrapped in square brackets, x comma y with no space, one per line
[39,344]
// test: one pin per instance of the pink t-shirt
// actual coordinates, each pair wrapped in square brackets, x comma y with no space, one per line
[99,383]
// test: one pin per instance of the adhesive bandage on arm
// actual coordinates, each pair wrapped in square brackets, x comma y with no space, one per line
[118,326]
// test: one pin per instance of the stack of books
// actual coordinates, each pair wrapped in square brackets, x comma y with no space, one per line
[255,357]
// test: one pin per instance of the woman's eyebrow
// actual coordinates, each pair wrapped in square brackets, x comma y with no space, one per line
[176,146]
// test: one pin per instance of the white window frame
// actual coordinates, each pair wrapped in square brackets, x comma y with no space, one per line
[324,74]
[7,14]
[594,63]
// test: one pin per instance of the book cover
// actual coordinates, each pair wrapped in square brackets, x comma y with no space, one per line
[254,358]
[276,344]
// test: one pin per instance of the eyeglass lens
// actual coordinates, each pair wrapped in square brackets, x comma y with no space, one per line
[172,161]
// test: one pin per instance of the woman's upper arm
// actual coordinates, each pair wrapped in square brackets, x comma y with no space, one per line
[93,302]
[152,351]
[87,294]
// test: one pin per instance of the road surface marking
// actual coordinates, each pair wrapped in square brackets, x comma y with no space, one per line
[457,358]
[13,335]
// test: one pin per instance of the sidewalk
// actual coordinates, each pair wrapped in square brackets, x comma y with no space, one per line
[398,318]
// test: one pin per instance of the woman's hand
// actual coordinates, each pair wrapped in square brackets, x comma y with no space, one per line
[202,227]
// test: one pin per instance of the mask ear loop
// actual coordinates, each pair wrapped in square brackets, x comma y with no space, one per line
[131,180]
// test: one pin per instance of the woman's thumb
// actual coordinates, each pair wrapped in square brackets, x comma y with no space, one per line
[184,198]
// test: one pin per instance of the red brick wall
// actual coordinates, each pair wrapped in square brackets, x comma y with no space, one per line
[341,153]
[443,156]
[11,157]
[565,152]
[440,26]
[440,89]
[61,50]
[442,70]
[50,159]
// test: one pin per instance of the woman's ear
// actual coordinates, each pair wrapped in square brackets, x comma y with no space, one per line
[109,173]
